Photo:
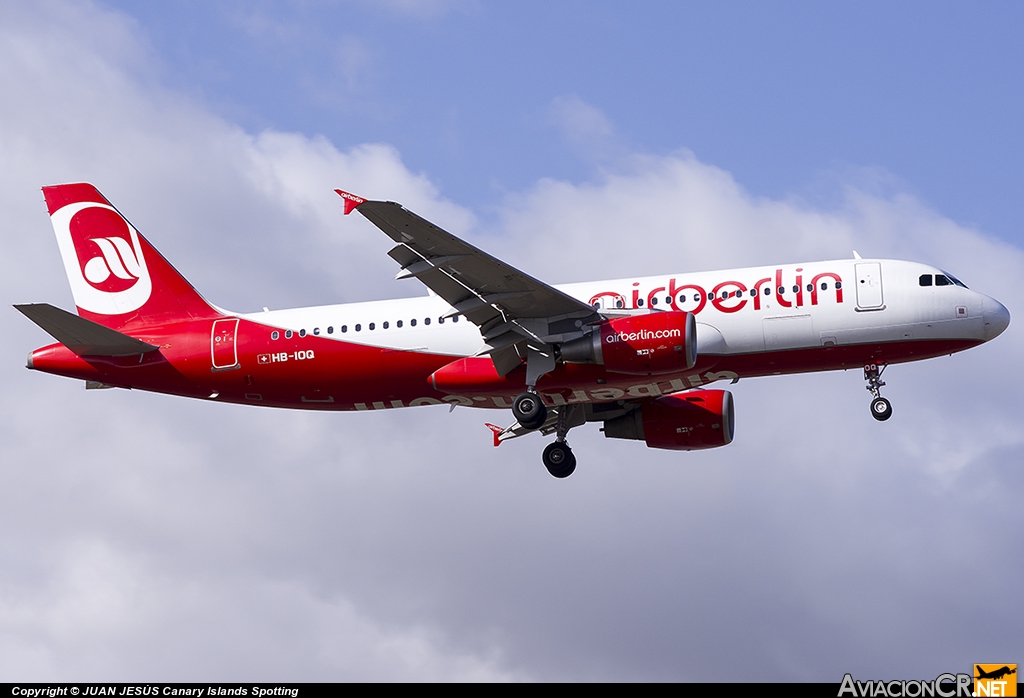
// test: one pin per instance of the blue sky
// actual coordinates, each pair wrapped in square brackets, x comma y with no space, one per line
[145,537]
[789,98]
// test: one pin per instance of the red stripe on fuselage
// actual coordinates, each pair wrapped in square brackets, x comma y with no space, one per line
[321,373]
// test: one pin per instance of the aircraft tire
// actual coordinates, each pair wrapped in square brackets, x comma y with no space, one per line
[559,460]
[529,410]
[881,409]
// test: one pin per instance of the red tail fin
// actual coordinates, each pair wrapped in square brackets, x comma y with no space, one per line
[117,278]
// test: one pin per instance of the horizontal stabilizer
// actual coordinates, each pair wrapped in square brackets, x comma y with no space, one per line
[84,337]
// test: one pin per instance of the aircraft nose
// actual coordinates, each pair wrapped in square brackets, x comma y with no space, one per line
[997,317]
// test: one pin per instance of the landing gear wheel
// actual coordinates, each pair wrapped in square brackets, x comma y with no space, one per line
[559,460]
[529,410]
[881,409]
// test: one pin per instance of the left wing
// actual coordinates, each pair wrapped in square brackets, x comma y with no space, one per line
[518,316]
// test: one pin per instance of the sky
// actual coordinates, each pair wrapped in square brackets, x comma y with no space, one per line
[149,538]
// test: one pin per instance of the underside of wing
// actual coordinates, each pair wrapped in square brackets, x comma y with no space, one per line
[515,312]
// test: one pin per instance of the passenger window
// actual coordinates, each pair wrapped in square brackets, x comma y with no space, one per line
[810,287]
[412,323]
[824,286]
[455,319]
[782,290]
[316,331]
[358,327]
[767,291]
[330,329]
[385,325]
[426,321]
[440,320]
[287,334]
[640,302]
[344,328]
[654,301]
[275,334]
[668,300]
[796,289]
[839,285]
[925,280]
[302,333]
[398,324]
[711,296]
[372,326]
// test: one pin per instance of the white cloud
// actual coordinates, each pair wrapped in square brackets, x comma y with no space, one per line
[157,538]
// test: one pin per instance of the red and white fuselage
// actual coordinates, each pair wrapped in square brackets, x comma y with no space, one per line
[760,321]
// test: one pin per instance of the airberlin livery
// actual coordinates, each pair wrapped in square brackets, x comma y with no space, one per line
[635,354]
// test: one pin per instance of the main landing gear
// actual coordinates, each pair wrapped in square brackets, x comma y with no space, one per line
[559,460]
[881,409]
[530,412]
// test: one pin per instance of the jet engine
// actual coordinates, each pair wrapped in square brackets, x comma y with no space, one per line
[640,345]
[686,422]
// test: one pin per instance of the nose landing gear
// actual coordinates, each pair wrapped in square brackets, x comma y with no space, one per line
[881,409]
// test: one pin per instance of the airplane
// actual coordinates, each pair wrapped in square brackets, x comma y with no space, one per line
[994,674]
[637,354]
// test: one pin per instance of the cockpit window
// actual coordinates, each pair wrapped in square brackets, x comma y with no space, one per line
[941,280]
[956,281]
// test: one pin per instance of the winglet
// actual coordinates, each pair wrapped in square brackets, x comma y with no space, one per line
[351,200]
[497,431]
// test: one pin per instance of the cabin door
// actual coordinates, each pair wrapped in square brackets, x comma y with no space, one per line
[869,285]
[223,349]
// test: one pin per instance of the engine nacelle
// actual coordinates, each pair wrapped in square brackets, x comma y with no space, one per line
[641,345]
[686,422]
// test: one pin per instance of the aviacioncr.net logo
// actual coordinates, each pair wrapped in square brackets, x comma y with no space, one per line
[102,257]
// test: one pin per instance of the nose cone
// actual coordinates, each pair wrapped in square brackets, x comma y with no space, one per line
[997,317]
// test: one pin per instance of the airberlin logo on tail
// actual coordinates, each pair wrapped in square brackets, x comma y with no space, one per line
[102,257]
[118,260]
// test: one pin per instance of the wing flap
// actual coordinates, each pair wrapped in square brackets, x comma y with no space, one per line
[84,337]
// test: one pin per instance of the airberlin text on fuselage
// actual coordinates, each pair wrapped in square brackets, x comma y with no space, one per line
[605,394]
[733,296]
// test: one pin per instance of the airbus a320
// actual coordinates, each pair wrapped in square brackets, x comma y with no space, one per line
[637,355]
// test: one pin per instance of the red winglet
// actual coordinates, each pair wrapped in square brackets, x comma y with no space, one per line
[351,200]
[497,432]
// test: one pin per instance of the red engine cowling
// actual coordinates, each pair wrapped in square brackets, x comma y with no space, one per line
[639,345]
[686,422]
